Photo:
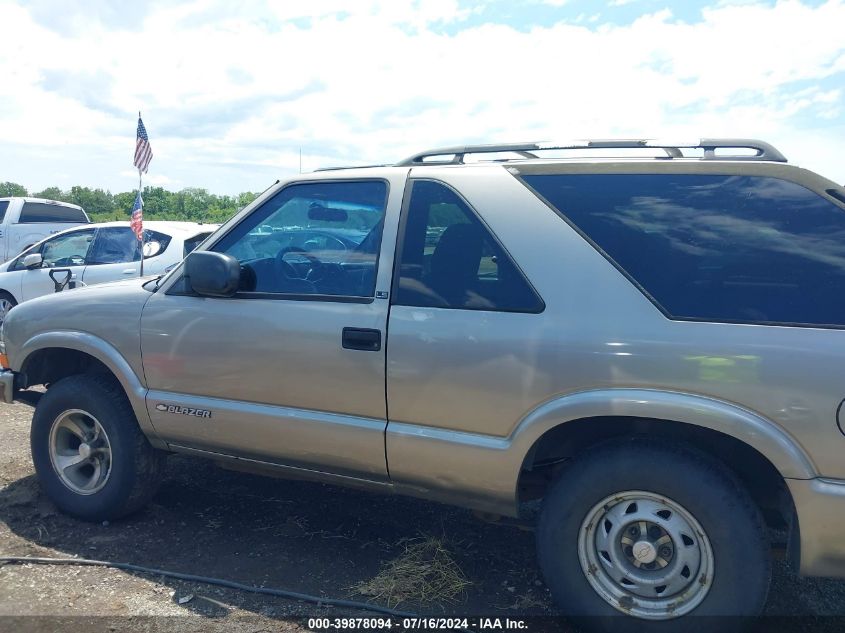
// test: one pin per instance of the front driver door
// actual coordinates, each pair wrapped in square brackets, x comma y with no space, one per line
[66,251]
[291,370]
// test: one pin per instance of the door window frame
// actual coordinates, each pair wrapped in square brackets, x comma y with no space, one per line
[39,248]
[400,246]
[148,234]
[180,288]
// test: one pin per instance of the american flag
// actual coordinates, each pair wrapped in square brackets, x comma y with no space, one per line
[143,151]
[137,221]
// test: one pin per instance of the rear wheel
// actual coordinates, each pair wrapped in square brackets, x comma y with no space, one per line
[91,458]
[637,534]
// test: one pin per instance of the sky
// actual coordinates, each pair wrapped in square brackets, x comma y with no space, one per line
[232,92]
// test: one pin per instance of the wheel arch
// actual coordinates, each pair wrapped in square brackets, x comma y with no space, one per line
[50,356]
[663,407]
[5,291]
[760,477]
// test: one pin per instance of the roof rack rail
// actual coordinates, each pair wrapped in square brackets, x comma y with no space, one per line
[455,155]
[349,167]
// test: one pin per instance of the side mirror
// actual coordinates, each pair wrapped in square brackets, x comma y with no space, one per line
[213,274]
[31,261]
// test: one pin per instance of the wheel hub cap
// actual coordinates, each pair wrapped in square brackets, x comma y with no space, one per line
[645,555]
[644,552]
[80,452]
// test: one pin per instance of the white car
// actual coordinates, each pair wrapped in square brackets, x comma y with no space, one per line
[96,253]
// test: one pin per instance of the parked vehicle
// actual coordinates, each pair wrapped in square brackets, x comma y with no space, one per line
[24,221]
[651,346]
[94,254]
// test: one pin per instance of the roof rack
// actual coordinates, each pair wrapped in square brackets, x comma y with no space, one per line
[349,167]
[455,155]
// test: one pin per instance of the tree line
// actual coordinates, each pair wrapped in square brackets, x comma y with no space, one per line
[191,204]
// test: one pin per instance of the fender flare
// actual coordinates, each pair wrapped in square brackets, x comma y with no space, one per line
[96,347]
[749,427]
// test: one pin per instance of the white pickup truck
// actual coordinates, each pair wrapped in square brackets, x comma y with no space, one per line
[24,221]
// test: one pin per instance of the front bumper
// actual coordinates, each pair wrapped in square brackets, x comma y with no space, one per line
[7,385]
[820,505]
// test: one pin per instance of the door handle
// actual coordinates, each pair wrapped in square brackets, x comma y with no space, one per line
[361,339]
[128,271]
[60,284]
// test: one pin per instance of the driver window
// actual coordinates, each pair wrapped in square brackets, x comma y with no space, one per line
[312,239]
[66,250]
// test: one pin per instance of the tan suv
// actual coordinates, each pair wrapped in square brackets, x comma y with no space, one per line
[652,345]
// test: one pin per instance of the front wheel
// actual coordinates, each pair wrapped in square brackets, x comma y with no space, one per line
[91,458]
[638,533]
[7,302]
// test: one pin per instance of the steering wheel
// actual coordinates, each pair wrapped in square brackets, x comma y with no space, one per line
[72,260]
[328,239]
[286,268]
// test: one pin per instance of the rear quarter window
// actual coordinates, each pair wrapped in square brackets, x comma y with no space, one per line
[450,259]
[39,212]
[3,206]
[162,239]
[743,249]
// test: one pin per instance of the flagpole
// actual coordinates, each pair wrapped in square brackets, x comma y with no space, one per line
[141,241]
[143,156]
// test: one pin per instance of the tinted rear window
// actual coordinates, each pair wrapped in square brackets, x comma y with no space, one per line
[34,212]
[3,206]
[716,248]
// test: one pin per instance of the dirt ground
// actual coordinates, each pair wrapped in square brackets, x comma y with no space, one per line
[298,536]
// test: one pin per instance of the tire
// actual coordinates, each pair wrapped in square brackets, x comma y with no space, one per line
[7,302]
[717,561]
[118,472]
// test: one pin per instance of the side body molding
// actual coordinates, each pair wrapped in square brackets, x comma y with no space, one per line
[482,472]
[106,354]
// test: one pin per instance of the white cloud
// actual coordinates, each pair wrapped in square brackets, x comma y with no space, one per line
[156,180]
[231,92]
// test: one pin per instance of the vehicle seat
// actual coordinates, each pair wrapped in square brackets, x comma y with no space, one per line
[454,263]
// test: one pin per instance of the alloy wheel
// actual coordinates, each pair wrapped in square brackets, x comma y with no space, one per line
[80,452]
